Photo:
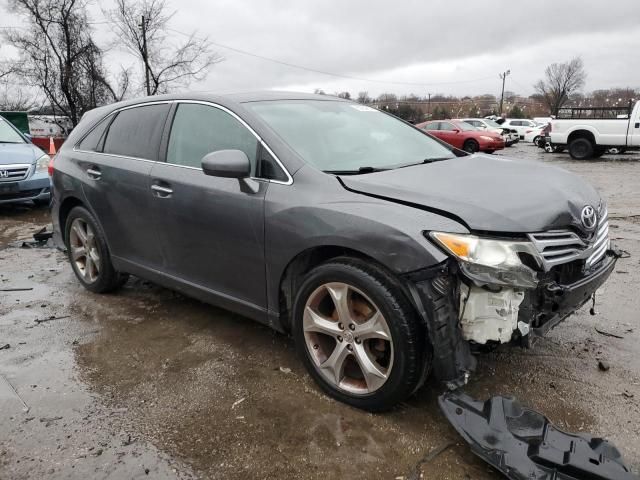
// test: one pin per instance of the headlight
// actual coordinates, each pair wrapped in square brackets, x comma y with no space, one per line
[42,164]
[487,138]
[495,262]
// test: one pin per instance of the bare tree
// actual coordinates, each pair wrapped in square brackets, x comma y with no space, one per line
[142,26]
[57,56]
[345,95]
[363,97]
[561,80]
[14,98]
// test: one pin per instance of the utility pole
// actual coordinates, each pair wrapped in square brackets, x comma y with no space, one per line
[503,76]
[145,55]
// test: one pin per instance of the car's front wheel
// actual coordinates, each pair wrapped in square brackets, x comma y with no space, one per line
[471,146]
[358,335]
[88,253]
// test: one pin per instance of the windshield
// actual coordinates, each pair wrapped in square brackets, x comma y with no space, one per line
[346,137]
[8,134]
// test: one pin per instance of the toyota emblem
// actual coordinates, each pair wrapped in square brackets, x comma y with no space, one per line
[4,173]
[589,218]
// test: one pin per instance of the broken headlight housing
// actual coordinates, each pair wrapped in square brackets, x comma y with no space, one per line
[488,261]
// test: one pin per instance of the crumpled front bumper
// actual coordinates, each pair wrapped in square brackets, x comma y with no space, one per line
[553,300]
[546,305]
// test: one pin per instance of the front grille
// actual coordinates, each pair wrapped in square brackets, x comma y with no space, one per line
[13,173]
[558,247]
[601,242]
[562,246]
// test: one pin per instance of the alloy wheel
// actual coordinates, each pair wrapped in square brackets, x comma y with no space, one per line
[347,338]
[84,250]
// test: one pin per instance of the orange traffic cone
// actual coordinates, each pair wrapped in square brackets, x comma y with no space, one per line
[52,147]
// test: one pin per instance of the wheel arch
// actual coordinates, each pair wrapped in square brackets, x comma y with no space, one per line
[312,257]
[582,133]
[66,206]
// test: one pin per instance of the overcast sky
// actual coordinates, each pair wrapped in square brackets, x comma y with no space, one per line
[449,47]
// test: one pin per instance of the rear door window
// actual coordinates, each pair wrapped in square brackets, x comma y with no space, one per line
[136,132]
[432,126]
[201,129]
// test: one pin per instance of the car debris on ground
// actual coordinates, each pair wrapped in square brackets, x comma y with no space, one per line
[524,445]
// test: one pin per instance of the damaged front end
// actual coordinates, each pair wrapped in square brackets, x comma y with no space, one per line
[499,290]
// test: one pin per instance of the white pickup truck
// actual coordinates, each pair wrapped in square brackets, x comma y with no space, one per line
[589,132]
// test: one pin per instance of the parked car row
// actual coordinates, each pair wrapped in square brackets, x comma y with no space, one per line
[462,135]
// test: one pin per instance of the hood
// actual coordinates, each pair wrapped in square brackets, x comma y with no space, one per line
[486,193]
[19,153]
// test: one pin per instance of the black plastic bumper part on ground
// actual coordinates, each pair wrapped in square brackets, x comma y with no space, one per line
[523,445]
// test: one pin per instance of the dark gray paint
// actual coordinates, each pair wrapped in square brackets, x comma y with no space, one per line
[487,193]
[229,241]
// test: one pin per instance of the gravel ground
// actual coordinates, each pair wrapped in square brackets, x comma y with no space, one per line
[146,383]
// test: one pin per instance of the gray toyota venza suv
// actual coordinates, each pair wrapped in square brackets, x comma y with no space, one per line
[384,252]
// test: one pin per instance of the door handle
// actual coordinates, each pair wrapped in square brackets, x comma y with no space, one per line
[94,173]
[160,191]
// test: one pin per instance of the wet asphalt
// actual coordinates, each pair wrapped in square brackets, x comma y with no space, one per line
[146,383]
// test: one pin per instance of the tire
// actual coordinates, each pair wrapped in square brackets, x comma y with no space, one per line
[401,362]
[581,149]
[489,151]
[88,253]
[536,140]
[471,146]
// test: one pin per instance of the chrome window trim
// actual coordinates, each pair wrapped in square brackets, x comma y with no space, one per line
[289,180]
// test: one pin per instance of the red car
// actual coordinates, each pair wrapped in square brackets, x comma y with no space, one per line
[464,136]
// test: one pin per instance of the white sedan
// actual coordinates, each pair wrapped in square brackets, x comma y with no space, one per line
[533,134]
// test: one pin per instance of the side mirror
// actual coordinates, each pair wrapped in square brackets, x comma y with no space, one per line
[455,130]
[226,164]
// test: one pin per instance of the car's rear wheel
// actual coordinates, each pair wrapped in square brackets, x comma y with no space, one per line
[358,336]
[88,253]
[581,149]
[536,140]
[471,146]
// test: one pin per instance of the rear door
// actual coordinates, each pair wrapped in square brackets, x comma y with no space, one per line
[116,159]
[211,228]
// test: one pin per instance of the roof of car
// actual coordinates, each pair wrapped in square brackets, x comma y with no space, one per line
[242,97]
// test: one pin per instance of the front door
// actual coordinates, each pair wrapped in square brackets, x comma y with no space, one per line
[211,228]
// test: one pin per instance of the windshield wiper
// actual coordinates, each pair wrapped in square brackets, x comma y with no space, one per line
[360,170]
[426,160]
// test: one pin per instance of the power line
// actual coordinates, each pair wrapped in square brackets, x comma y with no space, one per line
[331,74]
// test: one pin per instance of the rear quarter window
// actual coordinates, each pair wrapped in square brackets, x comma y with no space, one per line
[136,132]
[93,141]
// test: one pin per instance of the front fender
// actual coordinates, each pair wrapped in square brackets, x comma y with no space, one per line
[389,233]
